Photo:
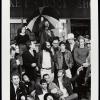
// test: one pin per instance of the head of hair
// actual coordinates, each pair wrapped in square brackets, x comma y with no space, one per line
[63,71]
[49,94]
[12,49]
[43,81]
[24,75]
[18,31]
[56,38]
[28,43]
[15,74]
[62,43]
[45,75]
[44,47]
[81,37]
[12,42]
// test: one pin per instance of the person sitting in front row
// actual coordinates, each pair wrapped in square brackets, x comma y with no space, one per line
[52,87]
[41,90]
[29,85]
[49,96]
[64,83]
[17,88]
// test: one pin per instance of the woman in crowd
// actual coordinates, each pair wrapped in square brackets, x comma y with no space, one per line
[14,63]
[21,40]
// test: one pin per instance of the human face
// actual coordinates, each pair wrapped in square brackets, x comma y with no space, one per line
[81,42]
[26,78]
[60,73]
[44,86]
[13,53]
[89,45]
[32,46]
[47,78]
[71,40]
[48,45]
[50,97]
[15,80]
[23,30]
[62,46]
[17,49]
[55,43]
[47,24]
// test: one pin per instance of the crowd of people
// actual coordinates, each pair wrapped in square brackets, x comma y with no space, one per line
[59,70]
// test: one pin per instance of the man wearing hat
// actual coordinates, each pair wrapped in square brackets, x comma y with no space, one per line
[71,40]
[72,46]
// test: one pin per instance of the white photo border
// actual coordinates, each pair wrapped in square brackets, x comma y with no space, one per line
[6,50]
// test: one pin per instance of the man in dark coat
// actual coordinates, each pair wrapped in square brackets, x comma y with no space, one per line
[17,88]
[30,61]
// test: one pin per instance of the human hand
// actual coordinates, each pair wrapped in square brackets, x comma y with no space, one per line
[22,97]
[54,90]
[33,64]
[17,62]
[85,64]
[79,69]
[33,93]
[37,69]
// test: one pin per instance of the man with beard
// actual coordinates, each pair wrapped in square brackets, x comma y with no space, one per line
[45,60]
[46,34]
[55,49]
[55,46]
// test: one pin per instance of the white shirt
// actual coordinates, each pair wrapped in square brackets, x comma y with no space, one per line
[31,52]
[46,63]
[15,88]
[63,89]
[41,97]
[72,46]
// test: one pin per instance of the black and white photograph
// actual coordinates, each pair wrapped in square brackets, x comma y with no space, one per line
[50,50]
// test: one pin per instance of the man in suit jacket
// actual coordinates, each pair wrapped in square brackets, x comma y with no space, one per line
[17,88]
[30,61]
